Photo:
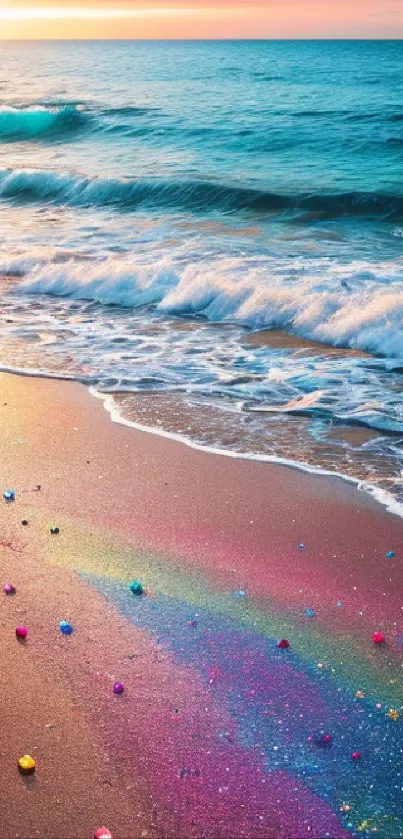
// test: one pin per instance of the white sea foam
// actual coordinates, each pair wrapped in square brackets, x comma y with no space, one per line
[357,305]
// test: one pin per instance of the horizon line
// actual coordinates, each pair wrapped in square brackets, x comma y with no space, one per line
[201,40]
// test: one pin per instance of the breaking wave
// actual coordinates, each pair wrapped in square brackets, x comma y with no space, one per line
[359,306]
[18,124]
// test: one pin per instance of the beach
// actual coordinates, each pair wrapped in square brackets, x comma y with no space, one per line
[219,732]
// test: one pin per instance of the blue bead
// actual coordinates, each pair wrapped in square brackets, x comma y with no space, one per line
[65,627]
[9,495]
[390,554]
[310,613]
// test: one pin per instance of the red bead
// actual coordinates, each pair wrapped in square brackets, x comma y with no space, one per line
[378,637]
[356,755]
[103,833]
[283,644]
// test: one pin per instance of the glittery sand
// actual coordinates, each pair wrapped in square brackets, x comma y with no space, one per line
[219,732]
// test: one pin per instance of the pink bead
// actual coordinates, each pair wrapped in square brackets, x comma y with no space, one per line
[356,755]
[378,637]
[103,833]
[21,632]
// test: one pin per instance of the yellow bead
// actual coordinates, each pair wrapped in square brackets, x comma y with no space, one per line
[359,694]
[393,714]
[27,764]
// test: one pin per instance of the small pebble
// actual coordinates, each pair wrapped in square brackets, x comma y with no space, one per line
[136,588]
[65,627]
[103,833]
[9,588]
[54,531]
[118,688]
[301,546]
[24,522]
[378,637]
[9,495]
[283,644]
[27,765]
[21,632]
[192,624]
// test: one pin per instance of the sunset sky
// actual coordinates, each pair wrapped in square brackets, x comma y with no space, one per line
[201,19]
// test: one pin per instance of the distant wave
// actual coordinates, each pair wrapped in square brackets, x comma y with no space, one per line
[36,186]
[32,123]
[329,304]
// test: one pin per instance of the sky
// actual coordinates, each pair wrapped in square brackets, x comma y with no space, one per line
[201,19]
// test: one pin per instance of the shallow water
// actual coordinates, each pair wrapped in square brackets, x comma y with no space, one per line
[162,203]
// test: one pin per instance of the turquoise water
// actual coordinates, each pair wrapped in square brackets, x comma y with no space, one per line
[160,201]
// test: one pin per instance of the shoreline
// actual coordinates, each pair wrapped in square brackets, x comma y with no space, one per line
[383,498]
[213,735]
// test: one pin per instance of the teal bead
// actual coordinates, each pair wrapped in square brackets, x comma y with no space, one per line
[136,588]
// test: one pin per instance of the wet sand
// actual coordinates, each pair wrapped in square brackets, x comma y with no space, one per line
[218,732]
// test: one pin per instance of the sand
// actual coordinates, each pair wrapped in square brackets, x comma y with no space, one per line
[218,731]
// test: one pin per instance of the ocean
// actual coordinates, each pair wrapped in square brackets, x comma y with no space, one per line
[210,236]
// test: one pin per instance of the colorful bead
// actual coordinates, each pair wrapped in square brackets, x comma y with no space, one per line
[9,588]
[323,741]
[393,714]
[54,531]
[103,833]
[65,627]
[378,637]
[118,688]
[27,765]
[283,644]
[136,588]
[356,755]
[21,632]
[9,495]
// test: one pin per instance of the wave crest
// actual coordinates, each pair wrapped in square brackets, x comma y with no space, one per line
[31,123]
[26,185]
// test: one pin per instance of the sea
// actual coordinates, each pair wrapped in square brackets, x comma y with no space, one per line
[209,235]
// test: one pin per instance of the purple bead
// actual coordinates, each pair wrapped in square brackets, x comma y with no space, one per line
[9,588]
[118,688]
